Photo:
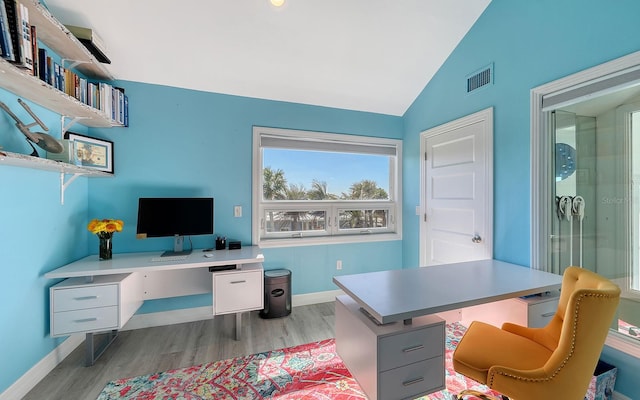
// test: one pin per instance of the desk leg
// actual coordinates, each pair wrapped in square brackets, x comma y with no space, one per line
[238,325]
[91,353]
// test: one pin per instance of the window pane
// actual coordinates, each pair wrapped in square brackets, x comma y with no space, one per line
[364,219]
[294,221]
[319,175]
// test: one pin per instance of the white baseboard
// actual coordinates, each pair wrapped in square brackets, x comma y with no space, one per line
[315,298]
[149,320]
[30,379]
[618,396]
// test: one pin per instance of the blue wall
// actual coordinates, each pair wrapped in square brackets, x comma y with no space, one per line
[530,43]
[184,142]
[179,143]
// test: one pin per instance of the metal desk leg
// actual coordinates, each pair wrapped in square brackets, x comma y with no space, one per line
[91,353]
[238,325]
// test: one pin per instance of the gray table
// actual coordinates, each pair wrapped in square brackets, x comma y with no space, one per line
[404,294]
[392,360]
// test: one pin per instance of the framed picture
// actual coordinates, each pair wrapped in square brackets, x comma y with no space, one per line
[90,152]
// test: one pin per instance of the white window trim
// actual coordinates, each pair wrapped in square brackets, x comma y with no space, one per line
[394,204]
[541,169]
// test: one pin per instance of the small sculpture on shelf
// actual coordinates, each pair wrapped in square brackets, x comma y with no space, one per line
[104,229]
[42,139]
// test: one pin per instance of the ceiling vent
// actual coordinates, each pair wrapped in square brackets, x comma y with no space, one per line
[480,79]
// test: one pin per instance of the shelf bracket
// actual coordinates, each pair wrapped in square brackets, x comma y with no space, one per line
[64,185]
[64,128]
[74,63]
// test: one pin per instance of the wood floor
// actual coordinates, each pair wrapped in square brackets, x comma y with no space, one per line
[144,351]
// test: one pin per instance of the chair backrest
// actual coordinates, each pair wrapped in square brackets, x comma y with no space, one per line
[586,308]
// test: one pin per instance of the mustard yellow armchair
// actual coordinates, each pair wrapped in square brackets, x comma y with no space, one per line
[553,362]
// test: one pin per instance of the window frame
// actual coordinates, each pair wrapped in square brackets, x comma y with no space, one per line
[332,208]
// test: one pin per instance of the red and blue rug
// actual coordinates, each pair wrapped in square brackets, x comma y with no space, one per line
[312,371]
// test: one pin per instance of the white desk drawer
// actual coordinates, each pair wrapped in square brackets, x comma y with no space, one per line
[412,380]
[410,347]
[539,314]
[79,298]
[238,291]
[93,319]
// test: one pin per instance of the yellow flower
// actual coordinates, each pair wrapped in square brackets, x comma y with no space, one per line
[98,226]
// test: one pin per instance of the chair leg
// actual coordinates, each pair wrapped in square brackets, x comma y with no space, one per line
[480,395]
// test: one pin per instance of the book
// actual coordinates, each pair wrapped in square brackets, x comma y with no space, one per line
[43,70]
[11,9]
[91,41]
[126,110]
[34,50]
[5,35]
[25,35]
[56,75]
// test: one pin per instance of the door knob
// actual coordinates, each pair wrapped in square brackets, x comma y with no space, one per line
[476,239]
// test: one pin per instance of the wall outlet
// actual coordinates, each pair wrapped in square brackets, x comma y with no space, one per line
[339,264]
[237,211]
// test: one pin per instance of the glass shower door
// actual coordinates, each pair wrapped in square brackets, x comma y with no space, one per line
[574,191]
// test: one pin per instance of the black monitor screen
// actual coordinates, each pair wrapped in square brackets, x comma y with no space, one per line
[160,217]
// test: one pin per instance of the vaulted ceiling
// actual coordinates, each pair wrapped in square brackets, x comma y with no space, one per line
[365,55]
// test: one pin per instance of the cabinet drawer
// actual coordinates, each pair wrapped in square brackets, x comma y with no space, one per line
[85,297]
[539,314]
[410,347]
[412,380]
[93,319]
[237,292]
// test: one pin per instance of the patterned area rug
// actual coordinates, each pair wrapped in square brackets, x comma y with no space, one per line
[311,371]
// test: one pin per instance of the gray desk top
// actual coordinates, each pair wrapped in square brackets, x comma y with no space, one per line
[404,294]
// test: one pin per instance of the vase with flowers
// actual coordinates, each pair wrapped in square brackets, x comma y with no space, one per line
[104,229]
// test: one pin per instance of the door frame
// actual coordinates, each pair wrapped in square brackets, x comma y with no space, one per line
[486,117]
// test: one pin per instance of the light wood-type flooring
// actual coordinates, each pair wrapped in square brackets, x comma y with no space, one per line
[149,350]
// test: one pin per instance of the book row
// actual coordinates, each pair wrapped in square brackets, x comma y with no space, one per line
[19,46]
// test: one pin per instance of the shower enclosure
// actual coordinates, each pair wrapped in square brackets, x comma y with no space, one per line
[595,194]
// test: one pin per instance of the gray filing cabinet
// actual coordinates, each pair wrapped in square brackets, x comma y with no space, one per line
[408,360]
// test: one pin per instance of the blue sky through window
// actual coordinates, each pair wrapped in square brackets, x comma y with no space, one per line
[338,170]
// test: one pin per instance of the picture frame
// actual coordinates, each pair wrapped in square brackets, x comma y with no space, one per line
[91,152]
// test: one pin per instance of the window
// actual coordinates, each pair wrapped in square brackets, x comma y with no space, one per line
[585,173]
[316,188]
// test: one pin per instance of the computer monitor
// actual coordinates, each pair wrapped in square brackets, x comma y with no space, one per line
[174,217]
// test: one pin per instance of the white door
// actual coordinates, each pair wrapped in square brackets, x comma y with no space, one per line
[456,202]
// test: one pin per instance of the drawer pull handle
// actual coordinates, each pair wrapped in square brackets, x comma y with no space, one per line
[549,314]
[414,348]
[86,320]
[86,298]
[234,282]
[413,381]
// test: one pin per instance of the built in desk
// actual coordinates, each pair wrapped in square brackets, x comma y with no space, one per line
[101,296]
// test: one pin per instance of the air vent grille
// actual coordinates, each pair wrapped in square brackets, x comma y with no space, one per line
[480,79]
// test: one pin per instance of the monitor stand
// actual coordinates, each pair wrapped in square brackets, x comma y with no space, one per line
[178,241]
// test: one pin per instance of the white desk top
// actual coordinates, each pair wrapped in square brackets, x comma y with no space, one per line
[404,294]
[139,262]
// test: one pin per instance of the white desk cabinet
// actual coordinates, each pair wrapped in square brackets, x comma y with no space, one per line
[534,311]
[100,296]
[238,290]
[394,360]
[106,303]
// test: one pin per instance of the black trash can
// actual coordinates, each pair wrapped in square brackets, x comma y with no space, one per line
[277,293]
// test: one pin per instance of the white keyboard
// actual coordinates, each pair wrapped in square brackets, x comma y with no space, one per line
[170,258]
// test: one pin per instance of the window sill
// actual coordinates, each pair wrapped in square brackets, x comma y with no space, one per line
[619,342]
[323,240]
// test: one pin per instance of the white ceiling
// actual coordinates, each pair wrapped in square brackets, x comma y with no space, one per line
[365,55]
